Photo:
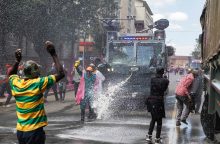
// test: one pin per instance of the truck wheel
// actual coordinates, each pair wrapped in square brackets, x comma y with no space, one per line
[217,124]
[208,120]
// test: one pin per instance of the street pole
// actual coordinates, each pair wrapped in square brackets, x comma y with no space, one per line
[84,39]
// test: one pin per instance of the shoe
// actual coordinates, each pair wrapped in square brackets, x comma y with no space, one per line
[158,141]
[6,105]
[184,121]
[82,121]
[149,138]
[197,113]
[178,123]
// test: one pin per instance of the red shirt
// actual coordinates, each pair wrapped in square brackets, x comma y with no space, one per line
[184,84]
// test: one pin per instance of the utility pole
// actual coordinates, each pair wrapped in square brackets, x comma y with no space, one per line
[84,47]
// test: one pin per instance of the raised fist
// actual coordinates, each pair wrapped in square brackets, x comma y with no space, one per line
[18,55]
[50,47]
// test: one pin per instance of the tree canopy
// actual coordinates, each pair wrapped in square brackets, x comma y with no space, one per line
[41,20]
[196,54]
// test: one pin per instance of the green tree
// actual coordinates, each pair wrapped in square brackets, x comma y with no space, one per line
[196,54]
[56,20]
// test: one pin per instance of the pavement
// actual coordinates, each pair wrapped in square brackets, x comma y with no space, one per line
[119,127]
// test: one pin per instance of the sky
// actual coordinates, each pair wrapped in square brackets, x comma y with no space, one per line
[184,18]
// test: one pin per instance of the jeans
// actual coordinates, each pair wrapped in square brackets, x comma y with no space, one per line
[76,85]
[155,119]
[32,137]
[181,101]
[6,86]
[54,87]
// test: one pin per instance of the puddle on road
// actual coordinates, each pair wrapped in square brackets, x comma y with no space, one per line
[112,134]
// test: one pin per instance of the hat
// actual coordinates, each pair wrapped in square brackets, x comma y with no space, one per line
[89,68]
[31,69]
[93,66]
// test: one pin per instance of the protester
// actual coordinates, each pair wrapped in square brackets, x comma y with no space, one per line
[52,71]
[77,73]
[28,93]
[85,93]
[62,87]
[6,87]
[155,104]
[183,98]
[99,78]
[98,90]
[196,90]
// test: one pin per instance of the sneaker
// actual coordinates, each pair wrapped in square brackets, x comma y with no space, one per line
[149,138]
[6,105]
[158,141]
[184,121]
[82,121]
[178,123]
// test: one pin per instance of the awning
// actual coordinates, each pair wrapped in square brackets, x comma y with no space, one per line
[86,43]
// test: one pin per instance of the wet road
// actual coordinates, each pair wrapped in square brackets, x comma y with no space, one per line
[119,127]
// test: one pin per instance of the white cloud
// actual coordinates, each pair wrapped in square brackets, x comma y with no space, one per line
[178,16]
[160,2]
[158,16]
[175,27]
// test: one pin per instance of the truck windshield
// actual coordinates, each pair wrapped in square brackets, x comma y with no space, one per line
[149,54]
[195,65]
[121,53]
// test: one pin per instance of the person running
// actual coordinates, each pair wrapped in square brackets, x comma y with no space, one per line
[28,93]
[155,104]
[183,98]
[52,71]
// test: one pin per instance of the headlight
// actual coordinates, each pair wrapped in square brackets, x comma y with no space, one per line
[134,68]
[112,69]
[108,69]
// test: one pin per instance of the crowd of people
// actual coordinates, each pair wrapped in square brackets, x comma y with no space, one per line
[30,89]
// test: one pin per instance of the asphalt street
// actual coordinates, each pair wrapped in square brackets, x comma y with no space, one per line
[120,126]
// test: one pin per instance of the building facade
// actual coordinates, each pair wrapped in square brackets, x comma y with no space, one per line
[143,15]
[133,15]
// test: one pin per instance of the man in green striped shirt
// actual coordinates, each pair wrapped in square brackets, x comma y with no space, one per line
[28,93]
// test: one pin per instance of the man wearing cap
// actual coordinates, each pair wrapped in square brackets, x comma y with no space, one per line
[183,97]
[155,103]
[88,82]
[28,93]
